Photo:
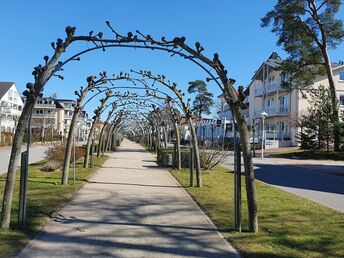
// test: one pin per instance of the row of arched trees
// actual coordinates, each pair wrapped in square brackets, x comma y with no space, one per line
[53,66]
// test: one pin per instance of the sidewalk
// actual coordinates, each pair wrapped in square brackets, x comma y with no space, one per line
[130,208]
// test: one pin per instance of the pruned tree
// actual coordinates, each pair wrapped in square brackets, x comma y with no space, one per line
[213,67]
[307,29]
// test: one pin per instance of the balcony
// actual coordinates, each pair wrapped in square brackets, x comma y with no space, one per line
[259,91]
[50,106]
[270,88]
[68,117]
[42,116]
[273,111]
[275,135]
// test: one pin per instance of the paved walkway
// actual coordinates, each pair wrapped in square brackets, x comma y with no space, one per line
[130,208]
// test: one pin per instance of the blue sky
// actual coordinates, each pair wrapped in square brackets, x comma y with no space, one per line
[231,28]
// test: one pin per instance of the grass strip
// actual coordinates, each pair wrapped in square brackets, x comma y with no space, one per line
[289,225]
[45,196]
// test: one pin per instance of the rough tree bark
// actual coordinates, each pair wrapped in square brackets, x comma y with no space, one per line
[178,158]
[14,160]
[89,142]
[69,144]
[196,151]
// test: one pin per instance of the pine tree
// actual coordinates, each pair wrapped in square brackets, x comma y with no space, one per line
[307,29]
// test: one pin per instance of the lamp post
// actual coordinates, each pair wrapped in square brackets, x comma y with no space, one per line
[263,114]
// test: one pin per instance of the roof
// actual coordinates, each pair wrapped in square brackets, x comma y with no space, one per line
[4,87]
[183,119]
[64,100]
[274,61]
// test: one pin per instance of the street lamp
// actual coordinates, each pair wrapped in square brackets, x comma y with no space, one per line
[263,114]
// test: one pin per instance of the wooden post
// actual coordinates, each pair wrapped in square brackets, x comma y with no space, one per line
[237,183]
[191,165]
[23,190]
[92,153]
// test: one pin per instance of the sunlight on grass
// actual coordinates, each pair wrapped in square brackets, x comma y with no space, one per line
[45,196]
[289,226]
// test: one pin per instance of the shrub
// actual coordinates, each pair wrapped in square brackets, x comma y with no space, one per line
[50,166]
[57,151]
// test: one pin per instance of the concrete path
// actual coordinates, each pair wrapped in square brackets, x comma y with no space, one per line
[36,154]
[130,208]
[320,181]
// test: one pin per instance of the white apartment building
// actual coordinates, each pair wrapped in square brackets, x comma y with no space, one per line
[283,107]
[11,106]
[52,117]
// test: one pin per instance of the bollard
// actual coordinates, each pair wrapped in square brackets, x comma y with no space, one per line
[191,165]
[23,190]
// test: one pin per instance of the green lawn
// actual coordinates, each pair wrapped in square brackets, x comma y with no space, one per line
[311,154]
[289,226]
[45,196]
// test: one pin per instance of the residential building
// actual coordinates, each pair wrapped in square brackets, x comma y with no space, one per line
[65,108]
[52,118]
[44,118]
[11,106]
[284,107]
[185,134]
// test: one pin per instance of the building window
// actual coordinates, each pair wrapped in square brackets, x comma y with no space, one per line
[341,100]
[283,101]
[270,102]
[10,95]
[271,78]
[341,76]
[15,96]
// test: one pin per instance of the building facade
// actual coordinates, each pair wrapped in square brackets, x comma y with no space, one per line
[283,107]
[11,106]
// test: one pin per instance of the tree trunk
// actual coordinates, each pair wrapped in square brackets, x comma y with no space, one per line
[69,143]
[335,114]
[110,138]
[178,154]
[249,172]
[196,151]
[89,142]
[14,161]
[105,137]
[165,136]
[100,141]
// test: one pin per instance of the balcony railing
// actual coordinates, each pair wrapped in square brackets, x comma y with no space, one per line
[273,111]
[259,91]
[35,115]
[275,135]
[270,87]
[50,106]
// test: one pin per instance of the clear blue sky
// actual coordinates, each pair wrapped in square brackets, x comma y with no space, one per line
[231,28]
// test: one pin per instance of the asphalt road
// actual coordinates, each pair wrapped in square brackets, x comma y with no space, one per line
[317,180]
[36,154]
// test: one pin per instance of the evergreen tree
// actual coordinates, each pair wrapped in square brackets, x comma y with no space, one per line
[307,29]
[203,100]
[317,125]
